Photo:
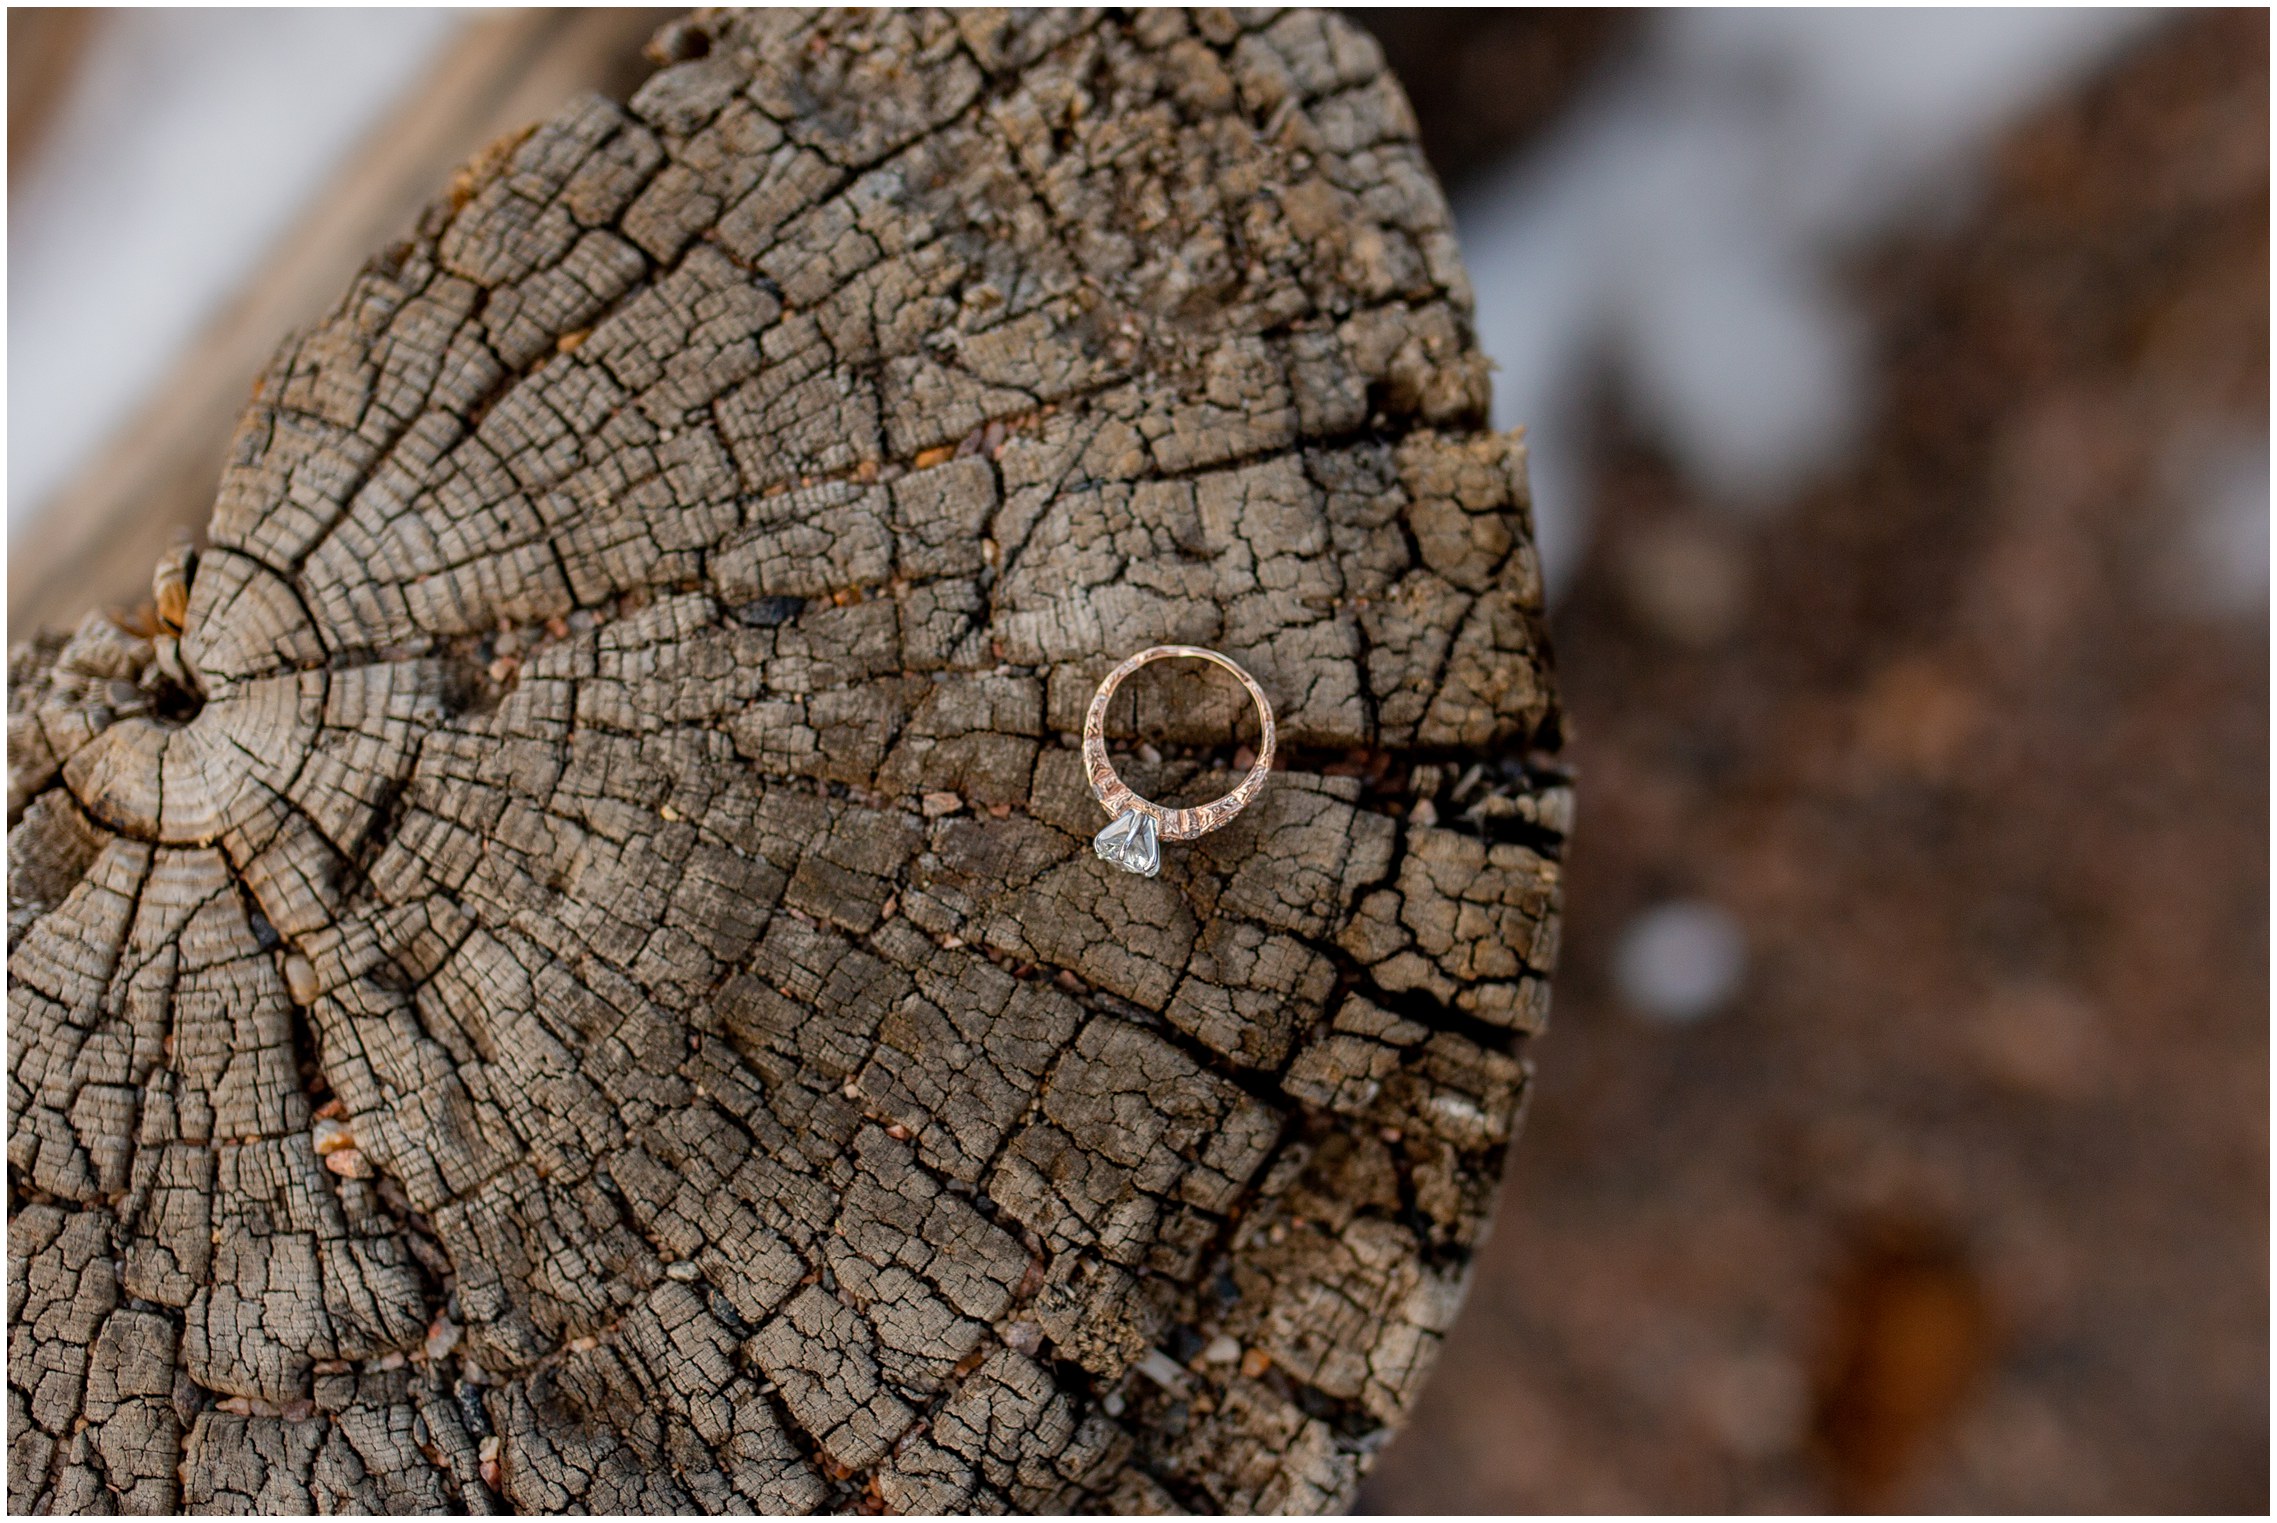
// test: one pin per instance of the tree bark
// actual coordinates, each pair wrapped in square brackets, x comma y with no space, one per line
[562,967]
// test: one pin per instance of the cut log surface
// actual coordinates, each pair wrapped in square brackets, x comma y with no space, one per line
[562,965]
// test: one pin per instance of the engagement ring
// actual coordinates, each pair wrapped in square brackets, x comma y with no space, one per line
[1132,840]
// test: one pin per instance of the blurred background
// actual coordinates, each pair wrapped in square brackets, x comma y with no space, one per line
[1898,386]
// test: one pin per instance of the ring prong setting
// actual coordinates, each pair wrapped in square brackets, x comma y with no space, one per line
[1131,842]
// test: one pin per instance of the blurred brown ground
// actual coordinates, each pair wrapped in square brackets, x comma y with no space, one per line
[1963,1203]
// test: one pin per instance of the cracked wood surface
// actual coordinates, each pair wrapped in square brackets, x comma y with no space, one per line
[562,967]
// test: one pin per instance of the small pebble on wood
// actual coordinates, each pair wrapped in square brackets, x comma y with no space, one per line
[617,766]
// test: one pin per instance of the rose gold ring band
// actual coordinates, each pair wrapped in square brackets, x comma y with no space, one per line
[1172,824]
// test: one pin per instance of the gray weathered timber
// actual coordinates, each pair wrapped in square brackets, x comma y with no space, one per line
[561,965]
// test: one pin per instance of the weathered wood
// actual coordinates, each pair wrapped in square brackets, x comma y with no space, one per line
[94,540]
[563,968]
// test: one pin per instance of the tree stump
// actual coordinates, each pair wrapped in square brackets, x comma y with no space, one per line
[560,965]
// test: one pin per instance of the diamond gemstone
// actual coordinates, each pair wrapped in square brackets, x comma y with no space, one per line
[1129,842]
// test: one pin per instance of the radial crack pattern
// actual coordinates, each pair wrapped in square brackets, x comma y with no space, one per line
[571,973]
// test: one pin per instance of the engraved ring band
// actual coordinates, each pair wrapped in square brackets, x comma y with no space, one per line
[1132,840]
